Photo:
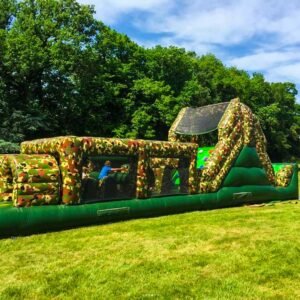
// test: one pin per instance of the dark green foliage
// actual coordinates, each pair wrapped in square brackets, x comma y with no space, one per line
[8,8]
[63,72]
[8,147]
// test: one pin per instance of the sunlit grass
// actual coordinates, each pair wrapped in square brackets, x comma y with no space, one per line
[237,253]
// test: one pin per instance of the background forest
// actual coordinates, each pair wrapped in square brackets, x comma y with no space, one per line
[64,72]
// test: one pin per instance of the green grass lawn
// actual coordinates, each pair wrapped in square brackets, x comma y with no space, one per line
[237,253]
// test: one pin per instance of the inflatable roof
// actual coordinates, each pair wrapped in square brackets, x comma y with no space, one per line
[199,120]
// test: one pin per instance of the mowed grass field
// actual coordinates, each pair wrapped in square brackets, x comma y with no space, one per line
[250,252]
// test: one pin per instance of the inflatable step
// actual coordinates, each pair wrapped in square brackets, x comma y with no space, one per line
[29,179]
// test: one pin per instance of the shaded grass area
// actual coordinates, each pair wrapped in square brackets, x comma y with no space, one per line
[238,253]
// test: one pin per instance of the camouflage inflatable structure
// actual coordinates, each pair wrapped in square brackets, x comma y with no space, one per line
[54,182]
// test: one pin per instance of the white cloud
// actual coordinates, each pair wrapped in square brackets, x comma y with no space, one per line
[285,73]
[227,22]
[263,60]
[289,72]
[206,23]
[222,22]
[267,30]
[276,66]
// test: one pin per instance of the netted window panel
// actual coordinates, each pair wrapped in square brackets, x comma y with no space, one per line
[201,120]
[108,178]
[168,176]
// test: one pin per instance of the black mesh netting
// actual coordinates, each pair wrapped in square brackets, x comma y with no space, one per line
[201,120]
[119,183]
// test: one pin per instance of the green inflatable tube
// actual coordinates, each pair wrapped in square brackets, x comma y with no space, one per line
[21,221]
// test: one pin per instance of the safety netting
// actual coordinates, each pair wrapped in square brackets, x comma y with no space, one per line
[108,178]
[165,176]
[200,120]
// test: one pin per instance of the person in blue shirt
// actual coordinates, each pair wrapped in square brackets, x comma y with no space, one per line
[106,169]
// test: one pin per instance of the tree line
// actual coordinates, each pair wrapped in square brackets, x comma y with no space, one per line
[63,72]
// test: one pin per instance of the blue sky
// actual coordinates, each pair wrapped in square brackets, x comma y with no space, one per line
[253,35]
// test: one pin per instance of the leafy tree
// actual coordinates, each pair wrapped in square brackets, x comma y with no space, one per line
[174,66]
[259,92]
[42,48]
[104,82]
[8,147]
[146,109]
[64,72]
[7,10]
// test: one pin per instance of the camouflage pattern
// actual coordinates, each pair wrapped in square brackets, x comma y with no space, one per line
[170,149]
[193,180]
[261,148]
[70,150]
[50,188]
[6,179]
[145,151]
[31,176]
[67,150]
[248,119]
[35,199]
[114,146]
[110,146]
[158,178]
[227,159]
[37,175]
[159,162]
[6,197]
[142,179]
[158,166]
[5,187]
[229,145]
[172,135]
[159,149]
[238,127]
[284,176]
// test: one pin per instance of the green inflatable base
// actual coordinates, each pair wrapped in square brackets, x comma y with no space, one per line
[28,220]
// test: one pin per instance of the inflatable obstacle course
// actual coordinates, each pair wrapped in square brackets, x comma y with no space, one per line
[54,183]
